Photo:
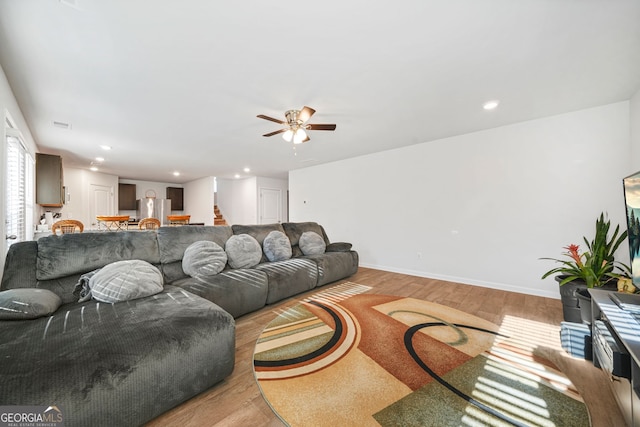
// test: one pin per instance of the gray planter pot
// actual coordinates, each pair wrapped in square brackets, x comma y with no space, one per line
[584,300]
[576,300]
[569,298]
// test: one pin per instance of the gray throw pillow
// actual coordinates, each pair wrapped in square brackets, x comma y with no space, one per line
[311,243]
[277,246]
[243,251]
[125,280]
[204,258]
[27,303]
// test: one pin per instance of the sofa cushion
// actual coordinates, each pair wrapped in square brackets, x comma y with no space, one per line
[124,281]
[276,246]
[27,303]
[204,258]
[289,277]
[173,241]
[243,251]
[339,247]
[237,291]
[257,231]
[311,243]
[294,230]
[20,266]
[98,361]
[334,266]
[77,253]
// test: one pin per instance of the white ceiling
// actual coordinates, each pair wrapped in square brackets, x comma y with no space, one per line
[177,85]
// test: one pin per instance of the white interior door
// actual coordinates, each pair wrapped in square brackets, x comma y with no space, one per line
[270,206]
[102,202]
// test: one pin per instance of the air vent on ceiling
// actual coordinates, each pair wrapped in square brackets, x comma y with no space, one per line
[61,125]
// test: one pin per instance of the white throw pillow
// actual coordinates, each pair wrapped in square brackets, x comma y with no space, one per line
[204,258]
[311,243]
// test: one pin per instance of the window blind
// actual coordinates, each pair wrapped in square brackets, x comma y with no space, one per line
[19,192]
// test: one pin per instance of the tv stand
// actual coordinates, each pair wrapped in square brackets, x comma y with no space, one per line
[616,350]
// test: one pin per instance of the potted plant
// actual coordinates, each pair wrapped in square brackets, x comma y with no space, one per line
[594,267]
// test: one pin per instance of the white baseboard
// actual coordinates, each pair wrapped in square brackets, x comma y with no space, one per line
[466,281]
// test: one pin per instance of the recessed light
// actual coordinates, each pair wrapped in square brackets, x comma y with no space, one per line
[93,168]
[491,105]
[237,176]
[99,159]
[176,173]
[105,147]
[246,170]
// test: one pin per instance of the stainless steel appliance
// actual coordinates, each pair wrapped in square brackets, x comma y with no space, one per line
[150,207]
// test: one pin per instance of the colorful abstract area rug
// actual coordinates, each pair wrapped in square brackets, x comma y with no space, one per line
[346,358]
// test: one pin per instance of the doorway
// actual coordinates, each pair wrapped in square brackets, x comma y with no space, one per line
[270,211]
[102,202]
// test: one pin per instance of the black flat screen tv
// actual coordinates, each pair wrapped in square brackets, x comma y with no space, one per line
[632,201]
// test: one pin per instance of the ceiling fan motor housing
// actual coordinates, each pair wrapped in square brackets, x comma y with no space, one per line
[292,118]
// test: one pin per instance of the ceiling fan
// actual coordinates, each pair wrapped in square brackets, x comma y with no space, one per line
[296,126]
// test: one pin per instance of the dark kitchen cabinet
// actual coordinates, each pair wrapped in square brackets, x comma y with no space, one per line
[49,181]
[127,197]
[176,195]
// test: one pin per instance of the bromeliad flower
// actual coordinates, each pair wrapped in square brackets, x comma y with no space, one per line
[573,253]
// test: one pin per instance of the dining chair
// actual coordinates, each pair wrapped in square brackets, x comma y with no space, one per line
[67,226]
[149,224]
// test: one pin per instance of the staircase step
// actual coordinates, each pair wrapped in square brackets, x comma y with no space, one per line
[218,218]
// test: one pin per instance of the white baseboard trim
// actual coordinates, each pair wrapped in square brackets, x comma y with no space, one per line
[466,281]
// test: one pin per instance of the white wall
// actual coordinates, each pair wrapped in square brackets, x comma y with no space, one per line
[237,200]
[634,115]
[9,106]
[198,200]
[78,195]
[480,208]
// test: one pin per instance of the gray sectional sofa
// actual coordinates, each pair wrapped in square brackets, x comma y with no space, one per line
[125,363]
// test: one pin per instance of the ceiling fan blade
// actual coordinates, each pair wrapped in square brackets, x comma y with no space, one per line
[321,127]
[306,139]
[306,113]
[262,116]
[275,132]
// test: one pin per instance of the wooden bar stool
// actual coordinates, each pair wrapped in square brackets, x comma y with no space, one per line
[67,226]
[149,224]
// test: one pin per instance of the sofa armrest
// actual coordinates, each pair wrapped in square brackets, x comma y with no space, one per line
[338,247]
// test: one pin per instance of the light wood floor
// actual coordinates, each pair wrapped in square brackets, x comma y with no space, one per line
[237,400]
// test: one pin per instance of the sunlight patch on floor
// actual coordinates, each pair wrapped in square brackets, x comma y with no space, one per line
[530,334]
[514,357]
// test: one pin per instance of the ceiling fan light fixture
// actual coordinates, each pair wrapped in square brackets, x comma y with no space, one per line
[295,127]
[299,136]
[288,135]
